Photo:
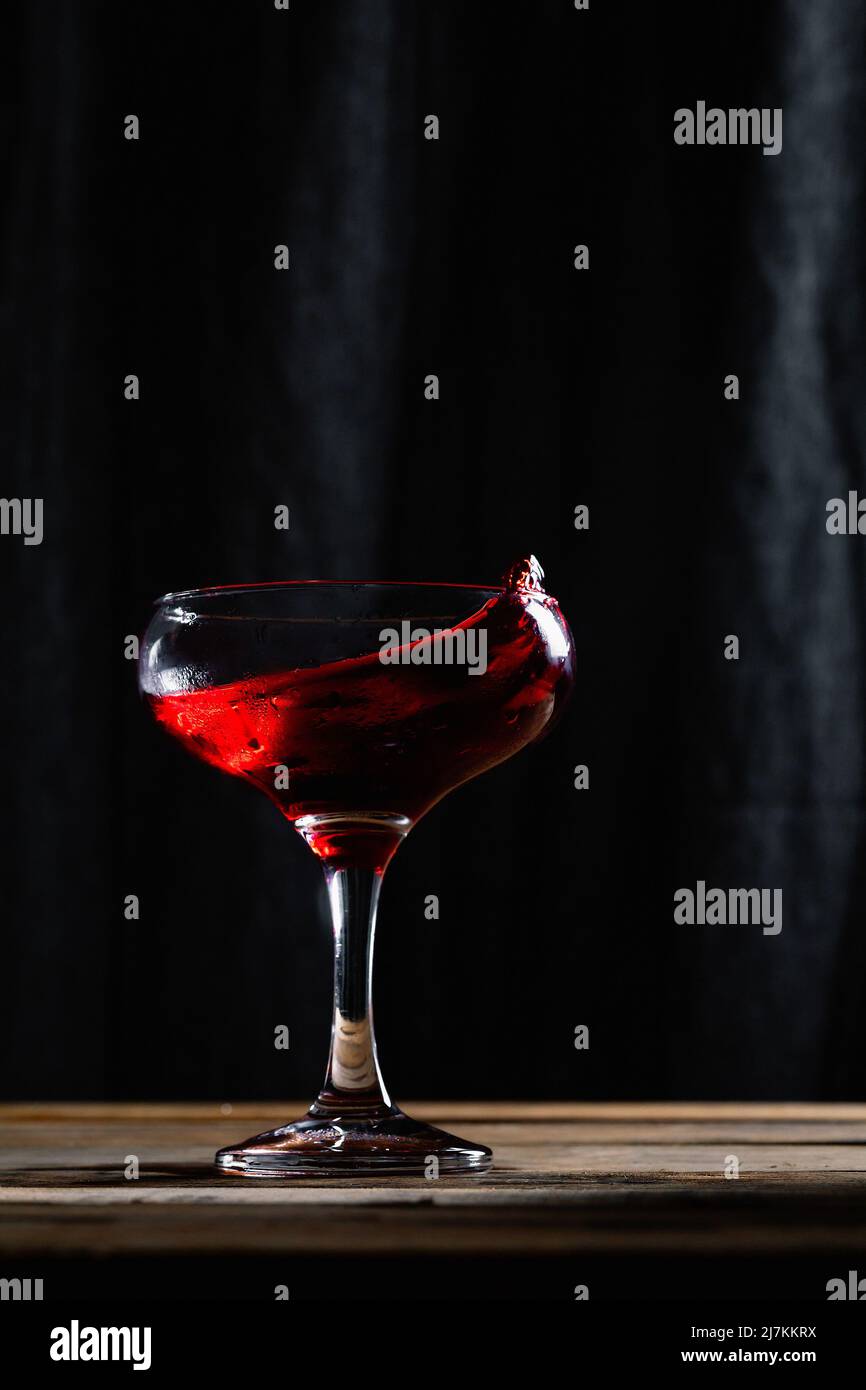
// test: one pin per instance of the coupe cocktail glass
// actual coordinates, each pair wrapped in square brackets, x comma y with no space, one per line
[355,708]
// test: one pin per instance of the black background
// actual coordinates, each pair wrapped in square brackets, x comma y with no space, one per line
[558,387]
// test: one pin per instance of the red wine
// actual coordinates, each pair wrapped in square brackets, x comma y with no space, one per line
[361,738]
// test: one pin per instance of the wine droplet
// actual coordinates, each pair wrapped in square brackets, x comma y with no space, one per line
[524,574]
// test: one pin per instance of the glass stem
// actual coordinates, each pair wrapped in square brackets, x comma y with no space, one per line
[354,1082]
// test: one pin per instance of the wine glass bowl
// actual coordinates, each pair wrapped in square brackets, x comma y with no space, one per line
[356,707]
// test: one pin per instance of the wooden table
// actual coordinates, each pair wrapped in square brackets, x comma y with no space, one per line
[570,1182]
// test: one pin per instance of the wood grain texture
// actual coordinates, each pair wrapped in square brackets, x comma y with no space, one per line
[567,1178]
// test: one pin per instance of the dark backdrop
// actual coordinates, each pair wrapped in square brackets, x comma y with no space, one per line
[558,387]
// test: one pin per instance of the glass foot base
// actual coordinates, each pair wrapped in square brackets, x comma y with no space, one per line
[382,1143]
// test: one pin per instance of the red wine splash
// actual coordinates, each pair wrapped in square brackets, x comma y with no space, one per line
[357,750]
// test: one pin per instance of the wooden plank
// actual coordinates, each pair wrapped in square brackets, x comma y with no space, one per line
[49,1129]
[567,1179]
[552,1155]
[525,1112]
[433,1226]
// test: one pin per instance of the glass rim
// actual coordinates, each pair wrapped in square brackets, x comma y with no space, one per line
[212,590]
